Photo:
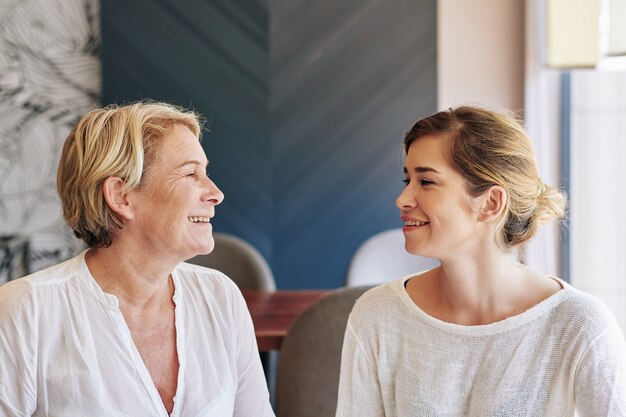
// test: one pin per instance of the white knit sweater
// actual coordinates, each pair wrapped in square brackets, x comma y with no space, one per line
[562,356]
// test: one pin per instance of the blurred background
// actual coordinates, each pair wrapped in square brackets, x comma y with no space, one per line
[306,104]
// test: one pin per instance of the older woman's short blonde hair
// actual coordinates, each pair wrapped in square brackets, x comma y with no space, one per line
[115,141]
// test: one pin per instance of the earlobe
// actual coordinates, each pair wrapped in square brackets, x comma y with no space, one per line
[115,195]
[494,203]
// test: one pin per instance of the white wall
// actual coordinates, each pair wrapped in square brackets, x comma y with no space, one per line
[480,53]
[49,77]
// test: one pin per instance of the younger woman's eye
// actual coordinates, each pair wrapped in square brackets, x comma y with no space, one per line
[424,181]
[406,181]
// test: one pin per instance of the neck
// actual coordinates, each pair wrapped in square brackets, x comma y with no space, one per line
[480,288]
[140,281]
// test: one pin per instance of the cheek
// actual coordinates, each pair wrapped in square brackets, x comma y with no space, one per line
[467,205]
[452,212]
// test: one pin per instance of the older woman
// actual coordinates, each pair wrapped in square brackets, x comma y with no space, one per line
[125,328]
[481,335]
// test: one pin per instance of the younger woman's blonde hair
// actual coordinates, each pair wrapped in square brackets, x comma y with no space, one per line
[119,141]
[487,149]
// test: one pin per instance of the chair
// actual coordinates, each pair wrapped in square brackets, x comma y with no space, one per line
[240,261]
[308,371]
[382,258]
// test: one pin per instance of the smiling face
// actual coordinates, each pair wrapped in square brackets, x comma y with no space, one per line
[173,206]
[437,212]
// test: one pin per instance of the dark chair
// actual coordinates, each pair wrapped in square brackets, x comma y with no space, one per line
[240,261]
[308,372]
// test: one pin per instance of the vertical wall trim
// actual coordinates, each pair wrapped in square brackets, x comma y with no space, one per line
[566,81]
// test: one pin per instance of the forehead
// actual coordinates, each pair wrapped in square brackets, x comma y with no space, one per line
[179,144]
[429,151]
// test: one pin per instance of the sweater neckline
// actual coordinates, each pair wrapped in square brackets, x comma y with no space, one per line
[504,325]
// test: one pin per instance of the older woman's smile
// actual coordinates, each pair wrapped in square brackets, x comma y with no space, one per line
[199,219]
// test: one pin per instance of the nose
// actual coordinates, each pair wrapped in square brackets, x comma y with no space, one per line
[212,194]
[406,199]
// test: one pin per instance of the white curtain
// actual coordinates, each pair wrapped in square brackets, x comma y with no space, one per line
[598,187]
[597,194]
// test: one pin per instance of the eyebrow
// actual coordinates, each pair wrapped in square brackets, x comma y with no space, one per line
[192,162]
[420,170]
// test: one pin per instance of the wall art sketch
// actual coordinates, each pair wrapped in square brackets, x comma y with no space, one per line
[49,77]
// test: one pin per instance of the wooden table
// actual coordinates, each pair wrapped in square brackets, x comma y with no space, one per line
[273,312]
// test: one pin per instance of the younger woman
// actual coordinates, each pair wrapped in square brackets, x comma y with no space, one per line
[481,335]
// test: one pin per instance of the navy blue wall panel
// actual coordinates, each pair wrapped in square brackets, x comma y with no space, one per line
[347,79]
[212,56]
[307,103]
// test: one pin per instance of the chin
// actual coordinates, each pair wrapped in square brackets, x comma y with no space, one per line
[206,249]
[414,249]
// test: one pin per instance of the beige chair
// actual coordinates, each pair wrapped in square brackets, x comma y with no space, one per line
[382,258]
[240,261]
[308,371]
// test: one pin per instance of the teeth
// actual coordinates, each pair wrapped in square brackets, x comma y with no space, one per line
[196,219]
[414,223]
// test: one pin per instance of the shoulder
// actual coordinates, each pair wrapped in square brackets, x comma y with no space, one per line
[597,341]
[381,294]
[206,277]
[380,304]
[16,296]
[584,311]
[209,284]
[582,321]
[21,292]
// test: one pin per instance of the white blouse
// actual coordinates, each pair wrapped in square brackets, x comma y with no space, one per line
[65,349]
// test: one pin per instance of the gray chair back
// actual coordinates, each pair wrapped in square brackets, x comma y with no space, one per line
[308,370]
[240,261]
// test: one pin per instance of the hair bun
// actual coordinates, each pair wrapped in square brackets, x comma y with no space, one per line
[551,204]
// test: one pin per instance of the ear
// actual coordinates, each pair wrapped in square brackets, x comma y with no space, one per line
[493,203]
[117,198]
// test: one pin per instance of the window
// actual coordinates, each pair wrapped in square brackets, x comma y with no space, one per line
[597,224]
